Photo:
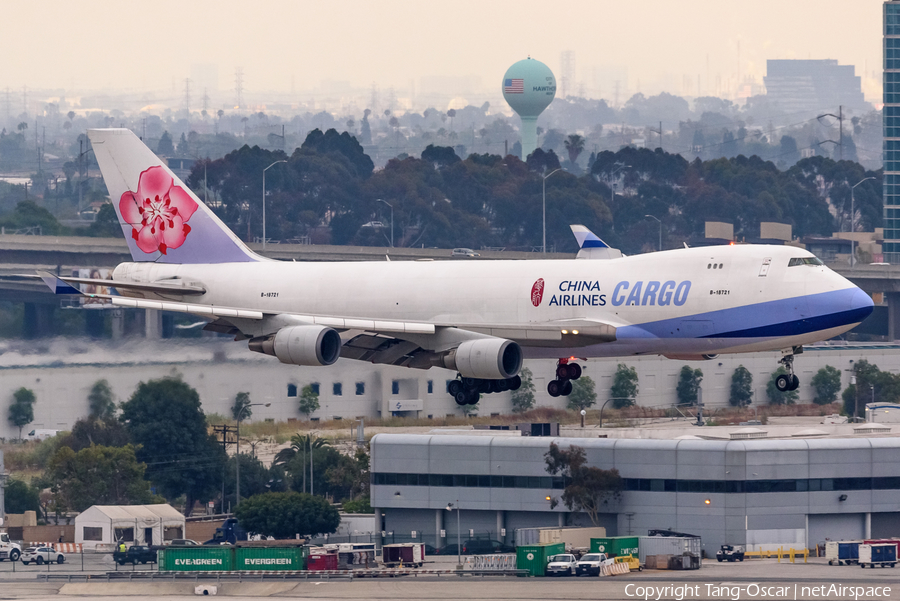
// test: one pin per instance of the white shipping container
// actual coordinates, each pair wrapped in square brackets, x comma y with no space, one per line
[573,537]
[667,545]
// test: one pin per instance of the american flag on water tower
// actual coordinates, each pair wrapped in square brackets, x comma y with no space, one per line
[513,86]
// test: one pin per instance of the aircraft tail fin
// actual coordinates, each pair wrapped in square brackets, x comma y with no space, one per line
[163,221]
[591,246]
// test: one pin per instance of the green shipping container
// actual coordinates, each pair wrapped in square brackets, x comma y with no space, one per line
[197,559]
[615,546]
[273,559]
[535,558]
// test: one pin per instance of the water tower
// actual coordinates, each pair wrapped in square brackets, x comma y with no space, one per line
[529,87]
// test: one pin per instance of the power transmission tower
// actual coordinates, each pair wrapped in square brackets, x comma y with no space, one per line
[567,69]
[239,87]
[187,95]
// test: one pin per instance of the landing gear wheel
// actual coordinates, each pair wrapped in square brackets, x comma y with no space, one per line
[566,388]
[461,398]
[562,371]
[484,386]
[554,388]
[574,371]
[474,397]
[515,383]
[454,387]
[499,385]
[795,382]
[783,382]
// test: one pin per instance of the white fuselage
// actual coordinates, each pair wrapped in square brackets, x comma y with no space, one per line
[706,300]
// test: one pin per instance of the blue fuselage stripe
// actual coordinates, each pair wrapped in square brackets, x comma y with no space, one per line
[783,317]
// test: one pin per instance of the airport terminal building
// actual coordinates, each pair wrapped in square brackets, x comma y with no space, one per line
[761,493]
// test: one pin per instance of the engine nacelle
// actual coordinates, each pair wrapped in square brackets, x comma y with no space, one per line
[301,345]
[485,358]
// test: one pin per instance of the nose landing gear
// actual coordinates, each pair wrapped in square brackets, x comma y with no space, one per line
[565,373]
[789,381]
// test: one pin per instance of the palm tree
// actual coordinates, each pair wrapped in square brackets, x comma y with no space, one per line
[574,146]
[301,447]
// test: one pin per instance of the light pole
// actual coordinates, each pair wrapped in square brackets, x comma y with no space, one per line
[237,455]
[608,400]
[853,220]
[392,218]
[660,229]
[612,190]
[544,211]
[264,198]
[450,507]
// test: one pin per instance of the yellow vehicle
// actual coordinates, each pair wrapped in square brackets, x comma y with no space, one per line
[633,563]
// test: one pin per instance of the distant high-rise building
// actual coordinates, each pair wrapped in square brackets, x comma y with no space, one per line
[891,117]
[813,86]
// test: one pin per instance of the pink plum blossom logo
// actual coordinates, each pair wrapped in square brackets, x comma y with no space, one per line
[158,212]
[537,292]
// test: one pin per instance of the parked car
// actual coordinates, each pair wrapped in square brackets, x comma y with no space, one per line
[42,555]
[483,546]
[136,554]
[429,550]
[464,252]
[182,542]
[561,565]
[446,550]
[730,553]
[590,563]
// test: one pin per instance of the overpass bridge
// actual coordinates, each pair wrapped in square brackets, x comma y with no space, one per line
[62,254]
[20,254]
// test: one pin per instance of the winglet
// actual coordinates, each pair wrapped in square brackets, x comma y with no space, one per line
[591,246]
[56,285]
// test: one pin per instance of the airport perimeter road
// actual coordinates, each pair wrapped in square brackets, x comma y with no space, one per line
[737,582]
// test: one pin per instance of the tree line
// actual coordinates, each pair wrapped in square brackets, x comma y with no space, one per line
[157,447]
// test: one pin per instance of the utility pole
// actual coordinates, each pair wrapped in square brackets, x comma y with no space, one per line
[658,131]
[224,430]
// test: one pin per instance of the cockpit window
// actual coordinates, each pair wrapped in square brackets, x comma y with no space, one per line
[804,261]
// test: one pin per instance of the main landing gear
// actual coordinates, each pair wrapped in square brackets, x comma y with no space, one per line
[467,391]
[789,381]
[565,373]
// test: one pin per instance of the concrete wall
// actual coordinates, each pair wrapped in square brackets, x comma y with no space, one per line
[62,371]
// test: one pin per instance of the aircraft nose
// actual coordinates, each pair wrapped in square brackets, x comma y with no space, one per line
[861,305]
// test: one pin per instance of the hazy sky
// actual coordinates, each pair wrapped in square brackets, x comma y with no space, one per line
[148,44]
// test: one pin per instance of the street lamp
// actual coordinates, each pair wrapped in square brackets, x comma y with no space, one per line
[660,229]
[392,218]
[450,507]
[608,400]
[264,198]
[612,190]
[237,456]
[853,220]
[544,211]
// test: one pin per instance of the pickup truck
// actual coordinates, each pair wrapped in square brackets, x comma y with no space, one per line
[136,554]
[730,553]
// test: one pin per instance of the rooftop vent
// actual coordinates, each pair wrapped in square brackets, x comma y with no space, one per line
[872,429]
[748,433]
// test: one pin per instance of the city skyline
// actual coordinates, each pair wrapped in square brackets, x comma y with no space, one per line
[411,47]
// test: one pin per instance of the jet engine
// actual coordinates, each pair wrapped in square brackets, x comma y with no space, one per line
[485,358]
[301,345]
